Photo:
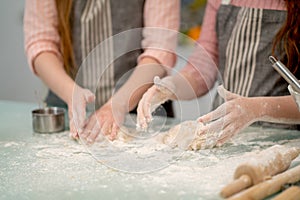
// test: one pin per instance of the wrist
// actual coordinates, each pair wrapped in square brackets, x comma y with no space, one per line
[70,92]
[148,60]
[157,69]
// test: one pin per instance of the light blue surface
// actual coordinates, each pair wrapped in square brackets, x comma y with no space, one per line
[52,166]
[15,119]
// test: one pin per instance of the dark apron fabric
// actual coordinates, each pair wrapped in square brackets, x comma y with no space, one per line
[245,39]
[53,100]
[125,15]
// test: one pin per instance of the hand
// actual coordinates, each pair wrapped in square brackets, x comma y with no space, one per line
[161,91]
[106,120]
[232,116]
[77,109]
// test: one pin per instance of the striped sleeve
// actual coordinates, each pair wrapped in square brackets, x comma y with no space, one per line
[161,24]
[40,29]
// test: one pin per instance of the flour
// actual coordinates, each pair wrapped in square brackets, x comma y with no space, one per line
[50,164]
[9,144]
[142,154]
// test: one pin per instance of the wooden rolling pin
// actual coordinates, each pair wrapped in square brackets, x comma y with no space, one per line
[260,167]
[269,187]
[292,193]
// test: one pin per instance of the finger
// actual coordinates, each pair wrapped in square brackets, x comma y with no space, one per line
[71,121]
[94,134]
[230,131]
[217,113]
[75,129]
[209,128]
[159,84]
[140,114]
[216,126]
[114,131]
[78,112]
[107,129]
[79,117]
[225,94]
[89,96]
[88,127]
[222,141]
[157,80]
[148,101]
[73,132]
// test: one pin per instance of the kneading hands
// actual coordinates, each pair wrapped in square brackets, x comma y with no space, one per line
[235,114]
[108,119]
[227,120]
[230,118]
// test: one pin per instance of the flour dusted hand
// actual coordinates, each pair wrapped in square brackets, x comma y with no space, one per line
[77,109]
[160,92]
[123,135]
[104,121]
[232,116]
[188,135]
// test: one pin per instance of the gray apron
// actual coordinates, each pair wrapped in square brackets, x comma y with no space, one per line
[93,21]
[245,38]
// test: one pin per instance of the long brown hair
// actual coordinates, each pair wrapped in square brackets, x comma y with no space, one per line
[287,39]
[64,29]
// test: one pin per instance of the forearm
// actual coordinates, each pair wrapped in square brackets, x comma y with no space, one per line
[198,75]
[50,69]
[139,82]
[187,86]
[191,87]
[278,110]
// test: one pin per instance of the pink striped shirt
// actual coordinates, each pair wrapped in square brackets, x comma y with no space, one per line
[208,39]
[41,35]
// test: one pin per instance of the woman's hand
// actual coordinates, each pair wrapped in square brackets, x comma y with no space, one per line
[77,109]
[160,92]
[50,69]
[232,116]
[106,121]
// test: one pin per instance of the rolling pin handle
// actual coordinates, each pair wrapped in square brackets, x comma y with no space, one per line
[292,193]
[236,186]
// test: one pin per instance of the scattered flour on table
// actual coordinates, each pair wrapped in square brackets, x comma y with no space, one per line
[9,144]
[200,174]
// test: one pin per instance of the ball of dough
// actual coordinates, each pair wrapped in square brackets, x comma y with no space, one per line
[189,135]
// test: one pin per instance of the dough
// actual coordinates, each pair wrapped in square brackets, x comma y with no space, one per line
[123,135]
[188,135]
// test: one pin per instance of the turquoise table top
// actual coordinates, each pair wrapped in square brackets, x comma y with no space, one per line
[53,166]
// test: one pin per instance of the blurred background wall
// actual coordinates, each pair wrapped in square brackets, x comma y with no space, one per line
[16,80]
